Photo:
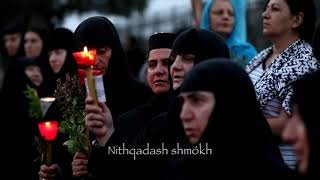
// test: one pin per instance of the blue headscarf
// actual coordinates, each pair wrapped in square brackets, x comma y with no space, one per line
[240,49]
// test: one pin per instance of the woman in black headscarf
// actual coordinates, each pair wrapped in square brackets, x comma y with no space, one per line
[122,91]
[190,48]
[213,115]
[61,61]
[11,46]
[36,48]
[25,73]
[303,129]
[100,34]
[131,123]
[61,46]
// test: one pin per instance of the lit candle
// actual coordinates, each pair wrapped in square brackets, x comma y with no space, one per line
[48,131]
[82,75]
[85,58]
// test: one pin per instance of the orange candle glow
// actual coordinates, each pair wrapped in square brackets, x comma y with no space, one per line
[85,58]
[48,130]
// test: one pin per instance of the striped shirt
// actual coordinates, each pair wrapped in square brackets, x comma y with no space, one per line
[272,110]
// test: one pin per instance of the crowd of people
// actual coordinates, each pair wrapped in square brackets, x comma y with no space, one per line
[206,86]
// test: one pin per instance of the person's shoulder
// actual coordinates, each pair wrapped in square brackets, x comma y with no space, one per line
[132,113]
[302,51]
[138,87]
[140,92]
[158,119]
[244,50]
[127,117]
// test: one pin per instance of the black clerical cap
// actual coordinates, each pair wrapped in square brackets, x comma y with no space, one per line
[161,40]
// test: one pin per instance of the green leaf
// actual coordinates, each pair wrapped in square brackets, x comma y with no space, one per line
[71,101]
[34,102]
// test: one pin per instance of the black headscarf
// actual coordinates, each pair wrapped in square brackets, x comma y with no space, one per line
[44,35]
[16,80]
[201,43]
[98,32]
[42,59]
[14,107]
[204,45]
[237,131]
[307,97]
[60,38]
[12,28]
[15,84]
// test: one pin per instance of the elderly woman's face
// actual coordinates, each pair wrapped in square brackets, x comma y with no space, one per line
[157,72]
[277,19]
[295,133]
[103,57]
[195,113]
[222,17]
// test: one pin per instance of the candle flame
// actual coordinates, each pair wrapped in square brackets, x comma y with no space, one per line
[87,54]
[48,124]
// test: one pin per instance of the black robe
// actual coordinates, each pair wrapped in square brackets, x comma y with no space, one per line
[14,109]
[122,91]
[306,96]
[132,123]
[237,132]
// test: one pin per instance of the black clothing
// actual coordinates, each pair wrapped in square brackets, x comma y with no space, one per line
[123,92]
[14,106]
[202,44]
[161,40]
[306,96]
[133,122]
[60,38]
[237,132]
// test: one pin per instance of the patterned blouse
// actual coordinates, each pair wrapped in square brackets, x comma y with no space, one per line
[290,65]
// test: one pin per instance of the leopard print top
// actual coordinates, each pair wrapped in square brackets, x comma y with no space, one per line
[290,65]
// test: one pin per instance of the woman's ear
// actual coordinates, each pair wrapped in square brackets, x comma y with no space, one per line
[298,19]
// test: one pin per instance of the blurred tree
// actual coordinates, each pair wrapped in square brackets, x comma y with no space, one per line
[25,10]
[46,10]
